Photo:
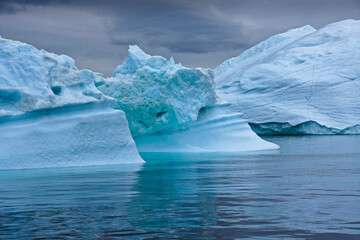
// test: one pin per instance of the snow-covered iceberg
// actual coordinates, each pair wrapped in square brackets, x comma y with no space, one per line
[171,108]
[304,81]
[51,113]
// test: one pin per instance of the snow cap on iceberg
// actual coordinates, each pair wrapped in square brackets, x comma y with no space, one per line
[157,94]
[32,79]
[137,59]
[260,52]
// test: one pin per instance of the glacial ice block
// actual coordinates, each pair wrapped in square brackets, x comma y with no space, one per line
[51,113]
[157,94]
[304,81]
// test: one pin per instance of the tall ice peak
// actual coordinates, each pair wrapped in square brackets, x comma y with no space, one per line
[138,59]
[137,52]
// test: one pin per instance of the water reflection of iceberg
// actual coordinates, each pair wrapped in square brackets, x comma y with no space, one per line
[81,202]
[169,198]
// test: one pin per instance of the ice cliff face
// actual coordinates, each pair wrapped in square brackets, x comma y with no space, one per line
[80,135]
[157,94]
[51,113]
[304,81]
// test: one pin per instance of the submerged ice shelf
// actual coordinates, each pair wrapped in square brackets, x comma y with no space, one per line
[303,81]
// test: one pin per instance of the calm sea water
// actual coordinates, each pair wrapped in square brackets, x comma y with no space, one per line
[310,189]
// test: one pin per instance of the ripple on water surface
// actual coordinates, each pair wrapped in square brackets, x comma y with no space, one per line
[310,189]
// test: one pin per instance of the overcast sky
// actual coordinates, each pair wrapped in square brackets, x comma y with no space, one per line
[197,33]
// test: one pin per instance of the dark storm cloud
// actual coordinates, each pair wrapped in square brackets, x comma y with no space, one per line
[179,26]
[178,31]
[198,33]
[13,6]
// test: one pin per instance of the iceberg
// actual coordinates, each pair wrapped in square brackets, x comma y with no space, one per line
[171,108]
[157,94]
[52,115]
[303,81]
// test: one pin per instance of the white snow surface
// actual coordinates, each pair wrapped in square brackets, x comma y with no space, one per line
[157,94]
[304,81]
[51,113]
